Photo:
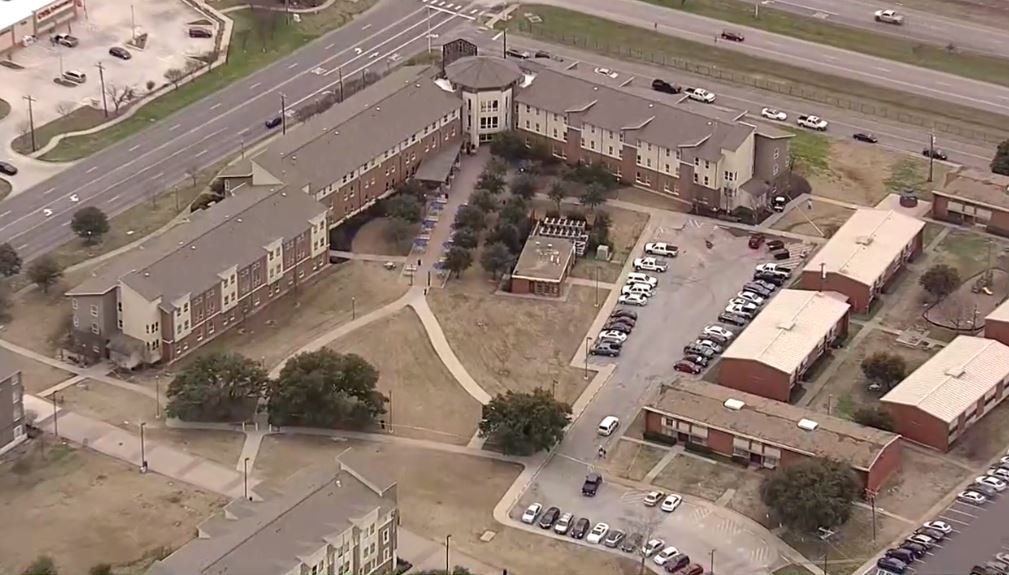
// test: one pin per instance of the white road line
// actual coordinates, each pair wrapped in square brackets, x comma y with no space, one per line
[112,199]
[474,11]
[365,27]
[201,152]
[361,54]
[22,246]
[174,127]
[437,9]
[330,46]
[49,191]
[134,148]
[882,69]
[254,86]
[293,65]
[5,214]
[91,169]
[65,224]
[157,175]
[951,520]
[498,35]
[215,106]
[961,512]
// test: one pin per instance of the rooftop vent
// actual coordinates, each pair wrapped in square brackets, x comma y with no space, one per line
[239,220]
[787,324]
[807,424]
[863,240]
[956,371]
[734,404]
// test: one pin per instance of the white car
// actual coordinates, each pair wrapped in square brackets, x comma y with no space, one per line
[738,309]
[719,331]
[665,555]
[812,122]
[597,533]
[608,425]
[1004,460]
[971,497]
[650,281]
[563,524]
[653,545]
[1000,472]
[708,344]
[775,268]
[633,299]
[643,289]
[671,502]
[613,335]
[993,482]
[661,249]
[773,114]
[653,498]
[745,304]
[649,265]
[888,17]
[701,95]
[531,513]
[940,526]
[606,72]
[750,296]
[922,540]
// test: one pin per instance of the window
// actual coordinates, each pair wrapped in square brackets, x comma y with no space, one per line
[385,536]
[94,310]
[777,153]
[77,321]
[706,181]
[385,555]
[695,177]
[73,304]
[95,329]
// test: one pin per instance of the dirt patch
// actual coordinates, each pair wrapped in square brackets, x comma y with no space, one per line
[224,447]
[511,343]
[652,200]
[108,403]
[371,238]
[56,499]
[427,402]
[923,478]
[36,376]
[38,320]
[846,391]
[965,310]
[694,475]
[816,219]
[633,460]
[746,499]
[332,299]
[864,175]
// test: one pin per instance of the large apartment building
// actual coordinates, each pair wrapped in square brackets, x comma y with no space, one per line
[12,413]
[183,288]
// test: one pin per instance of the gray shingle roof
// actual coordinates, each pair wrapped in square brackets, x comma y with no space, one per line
[482,73]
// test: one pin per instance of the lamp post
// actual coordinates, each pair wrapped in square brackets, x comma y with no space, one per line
[587,341]
[283,114]
[56,420]
[143,452]
[448,540]
[597,285]
[353,308]
[245,478]
[157,396]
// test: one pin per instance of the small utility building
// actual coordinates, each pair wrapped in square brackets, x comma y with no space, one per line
[543,266]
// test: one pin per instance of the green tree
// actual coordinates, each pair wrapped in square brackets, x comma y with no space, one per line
[1000,163]
[100,569]
[411,187]
[219,386]
[593,197]
[524,423]
[874,416]
[10,261]
[506,234]
[599,234]
[458,260]
[588,174]
[557,193]
[497,167]
[523,186]
[509,146]
[43,565]
[940,280]
[90,223]
[45,272]
[484,201]
[325,389]
[515,212]
[465,238]
[5,303]
[884,368]
[496,259]
[810,494]
[404,206]
[470,217]
[399,231]
[492,182]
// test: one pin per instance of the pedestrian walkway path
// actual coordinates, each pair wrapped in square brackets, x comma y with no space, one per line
[445,353]
[591,283]
[367,257]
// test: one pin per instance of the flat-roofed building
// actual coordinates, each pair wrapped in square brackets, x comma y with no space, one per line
[864,255]
[950,392]
[543,266]
[795,328]
[23,21]
[767,433]
[974,197]
[996,323]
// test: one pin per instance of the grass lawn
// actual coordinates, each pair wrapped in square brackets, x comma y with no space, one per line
[249,51]
[851,545]
[822,220]
[705,58]
[36,376]
[882,45]
[811,152]
[371,238]
[924,477]
[968,252]
[633,460]
[80,119]
[792,569]
[700,477]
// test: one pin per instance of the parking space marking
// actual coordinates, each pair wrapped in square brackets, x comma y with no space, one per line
[22,246]
[7,213]
[951,520]
[134,148]
[330,46]
[955,510]
[157,175]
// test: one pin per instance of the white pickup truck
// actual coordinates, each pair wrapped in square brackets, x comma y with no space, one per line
[812,122]
[889,17]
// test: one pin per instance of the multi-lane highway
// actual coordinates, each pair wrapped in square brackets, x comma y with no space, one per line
[919,25]
[37,220]
[809,55]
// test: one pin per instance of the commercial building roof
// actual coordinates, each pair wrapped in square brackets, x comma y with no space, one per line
[269,537]
[482,72]
[787,331]
[771,422]
[14,11]
[866,245]
[980,186]
[544,259]
[955,378]
[1000,313]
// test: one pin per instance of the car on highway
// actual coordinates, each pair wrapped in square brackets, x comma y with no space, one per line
[665,87]
[591,485]
[120,52]
[687,366]
[614,538]
[8,169]
[812,122]
[605,348]
[650,264]
[652,547]
[633,299]
[939,526]
[661,249]
[888,16]
[563,524]
[581,528]
[865,137]
[662,557]
[542,54]
[971,496]
[65,40]
[640,278]
[653,498]
[997,484]
[198,32]
[624,313]
[606,72]
[733,318]
[516,53]
[531,513]
[671,502]
[700,94]
[773,114]
[935,153]
[598,532]
[632,543]
[273,122]
[732,35]
[548,518]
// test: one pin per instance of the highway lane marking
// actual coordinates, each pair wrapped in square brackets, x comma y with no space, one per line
[293,65]
[112,199]
[22,246]
[65,224]
[91,169]
[157,175]
[5,214]
[49,191]
[174,127]
[133,148]
[215,106]
[201,152]
[466,16]
[882,69]
[330,46]
[379,45]
[254,86]
[365,27]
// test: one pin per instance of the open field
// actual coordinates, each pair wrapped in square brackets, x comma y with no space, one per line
[57,498]
[223,447]
[108,403]
[37,320]
[924,477]
[37,376]
[626,41]
[820,221]
[515,343]
[434,503]
[427,402]
[331,299]
[864,175]
[371,239]
[633,460]
[700,477]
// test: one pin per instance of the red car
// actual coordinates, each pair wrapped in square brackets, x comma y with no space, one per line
[687,367]
[692,569]
[756,240]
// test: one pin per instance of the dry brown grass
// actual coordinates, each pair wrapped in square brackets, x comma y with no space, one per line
[820,221]
[923,478]
[37,376]
[371,239]
[633,460]
[699,477]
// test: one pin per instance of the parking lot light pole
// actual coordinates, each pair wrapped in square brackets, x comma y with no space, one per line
[587,341]
[56,419]
[283,114]
[101,78]
[245,478]
[143,453]
[31,120]
[597,285]
[448,540]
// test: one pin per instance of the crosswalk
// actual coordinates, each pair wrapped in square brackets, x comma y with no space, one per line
[461,9]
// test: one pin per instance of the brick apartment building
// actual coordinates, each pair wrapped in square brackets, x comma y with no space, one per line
[974,197]
[343,522]
[23,22]
[767,433]
[12,413]
[201,278]
[787,338]
[949,393]
[996,324]
[864,255]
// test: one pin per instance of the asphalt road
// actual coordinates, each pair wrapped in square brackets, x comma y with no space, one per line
[809,55]
[843,123]
[918,24]
[218,126]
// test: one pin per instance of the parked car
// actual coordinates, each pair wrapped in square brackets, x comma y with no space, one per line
[643,289]
[597,533]
[8,169]
[197,32]
[775,245]
[608,425]
[918,549]
[905,555]
[614,538]
[671,502]
[649,265]
[698,360]
[781,254]
[775,278]
[985,490]
[653,498]
[865,137]
[661,249]
[606,349]
[633,299]
[548,518]
[773,268]
[971,496]
[581,528]
[693,349]
[613,335]
[662,557]
[733,318]
[732,36]
[718,331]
[652,547]
[1002,557]
[632,543]
[773,114]
[622,312]
[620,326]
[640,278]
[531,513]
[273,122]
[751,297]
[677,562]
[516,53]
[939,526]
[692,569]
[740,310]
[771,286]
[935,153]
[920,539]
[755,241]
[892,565]
[999,472]
[933,533]
[663,86]
[708,344]
[687,366]
[591,485]
[563,524]
[745,304]
[995,483]
[998,566]
[120,52]
[64,40]
[758,289]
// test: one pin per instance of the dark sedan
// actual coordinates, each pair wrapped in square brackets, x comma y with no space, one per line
[621,312]
[8,169]
[733,36]
[273,122]
[935,153]
[687,367]
[120,52]
[581,528]
[663,86]
[865,137]
[549,517]
[732,318]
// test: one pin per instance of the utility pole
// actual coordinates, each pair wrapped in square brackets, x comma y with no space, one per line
[428,7]
[504,43]
[133,24]
[101,78]
[588,340]
[756,8]
[56,419]
[245,478]
[31,121]
[712,564]
[448,540]
[872,499]
[143,453]
[283,113]
[340,72]
[931,154]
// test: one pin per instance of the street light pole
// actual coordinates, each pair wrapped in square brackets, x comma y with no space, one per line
[931,154]
[31,121]
[56,419]
[143,452]
[448,539]
[101,78]
[353,308]
[429,45]
[283,114]
[245,479]
[157,396]
[587,340]
[597,285]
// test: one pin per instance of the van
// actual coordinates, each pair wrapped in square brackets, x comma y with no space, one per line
[75,76]
[608,425]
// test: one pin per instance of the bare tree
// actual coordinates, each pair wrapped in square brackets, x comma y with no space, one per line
[24,127]
[174,75]
[644,521]
[119,95]
[193,65]
[64,108]
[194,174]
[959,310]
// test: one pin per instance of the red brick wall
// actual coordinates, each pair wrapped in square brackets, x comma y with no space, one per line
[999,223]
[858,294]
[997,330]
[919,426]
[886,463]
[754,377]
[720,441]
[521,285]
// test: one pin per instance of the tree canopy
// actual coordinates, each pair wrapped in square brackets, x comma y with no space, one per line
[557,193]
[940,280]
[325,389]
[90,223]
[524,423]
[44,272]
[1000,163]
[43,565]
[465,238]
[507,234]
[589,174]
[874,416]
[884,368]
[10,261]
[810,494]
[216,387]
[470,217]
[496,259]
[404,206]
[493,182]
[523,186]
[458,260]
[593,197]
[509,145]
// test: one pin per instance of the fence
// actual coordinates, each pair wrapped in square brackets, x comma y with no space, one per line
[795,90]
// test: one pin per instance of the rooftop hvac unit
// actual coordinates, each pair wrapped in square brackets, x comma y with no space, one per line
[807,424]
[734,404]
